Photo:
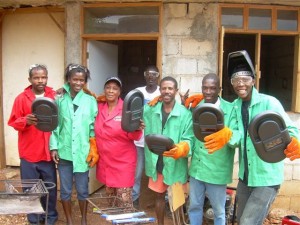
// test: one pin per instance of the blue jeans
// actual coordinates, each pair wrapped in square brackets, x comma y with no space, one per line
[216,195]
[138,173]
[45,171]
[66,175]
[254,203]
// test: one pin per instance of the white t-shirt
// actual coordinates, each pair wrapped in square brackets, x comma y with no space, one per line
[147,97]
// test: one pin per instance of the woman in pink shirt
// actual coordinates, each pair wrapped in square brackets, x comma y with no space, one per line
[117,163]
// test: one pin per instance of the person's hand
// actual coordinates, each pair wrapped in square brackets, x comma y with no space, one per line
[31,119]
[292,151]
[142,125]
[88,91]
[193,100]
[101,98]
[184,96]
[93,155]
[217,140]
[180,150]
[154,101]
[60,91]
[54,156]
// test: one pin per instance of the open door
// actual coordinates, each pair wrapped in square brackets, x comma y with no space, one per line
[102,63]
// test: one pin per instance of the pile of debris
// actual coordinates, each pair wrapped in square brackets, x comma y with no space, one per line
[276,215]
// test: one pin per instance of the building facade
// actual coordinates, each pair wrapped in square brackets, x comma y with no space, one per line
[185,39]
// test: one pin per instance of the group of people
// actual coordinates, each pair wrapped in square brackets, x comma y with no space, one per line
[89,133]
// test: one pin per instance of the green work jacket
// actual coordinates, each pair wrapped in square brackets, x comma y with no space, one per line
[71,137]
[178,127]
[261,173]
[216,168]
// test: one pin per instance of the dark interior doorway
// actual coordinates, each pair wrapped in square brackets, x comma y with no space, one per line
[276,64]
[232,43]
[133,57]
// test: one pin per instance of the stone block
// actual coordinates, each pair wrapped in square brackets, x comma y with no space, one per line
[190,82]
[185,66]
[290,188]
[195,48]
[204,66]
[175,10]
[288,172]
[282,202]
[178,27]
[296,172]
[172,47]
[295,202]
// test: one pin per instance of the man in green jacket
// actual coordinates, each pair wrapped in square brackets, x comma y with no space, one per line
[259,181]
[171,119]
[211,166]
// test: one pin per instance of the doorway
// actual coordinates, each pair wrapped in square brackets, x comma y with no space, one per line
[276,64]
[126,59]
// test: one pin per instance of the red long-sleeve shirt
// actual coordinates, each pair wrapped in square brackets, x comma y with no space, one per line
[33,144]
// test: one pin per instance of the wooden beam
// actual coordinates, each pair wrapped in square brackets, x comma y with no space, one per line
[2,143]
[55,21]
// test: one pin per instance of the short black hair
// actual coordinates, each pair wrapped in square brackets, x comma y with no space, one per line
[169,78]
[151,68]
[37,67]
[212,76]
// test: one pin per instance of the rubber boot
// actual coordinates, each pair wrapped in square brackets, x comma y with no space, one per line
[68,211]
[83,210]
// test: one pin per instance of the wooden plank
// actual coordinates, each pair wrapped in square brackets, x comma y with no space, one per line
[257,60]
[221,56]
[2,145]
[296,77]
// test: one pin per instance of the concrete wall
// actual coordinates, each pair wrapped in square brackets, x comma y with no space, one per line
[28,39]
[190,40]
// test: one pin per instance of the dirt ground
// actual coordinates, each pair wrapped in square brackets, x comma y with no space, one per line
[146,204]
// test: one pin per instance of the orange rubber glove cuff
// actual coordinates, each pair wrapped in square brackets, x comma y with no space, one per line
[154,101]
[93,155]
[101,98]
[89,92]
[217,140]
[193,100]
[180,150]
[292,151]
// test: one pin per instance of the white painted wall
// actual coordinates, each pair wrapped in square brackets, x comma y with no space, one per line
[28,39]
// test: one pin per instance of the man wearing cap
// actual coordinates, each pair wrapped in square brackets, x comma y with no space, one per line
[118,156]
[149,91]
[259,181]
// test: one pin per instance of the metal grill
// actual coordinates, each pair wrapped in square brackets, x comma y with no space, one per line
[23,197]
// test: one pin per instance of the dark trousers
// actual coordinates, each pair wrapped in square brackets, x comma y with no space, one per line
[45,171]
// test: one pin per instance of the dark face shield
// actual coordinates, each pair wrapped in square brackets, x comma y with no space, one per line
[269,136]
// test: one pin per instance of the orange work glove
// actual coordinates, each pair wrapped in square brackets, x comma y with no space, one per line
[292,151]
[194,99]
[180,150]
[154,101]
[89,92]
[217,140]
[93,155]
[101,98]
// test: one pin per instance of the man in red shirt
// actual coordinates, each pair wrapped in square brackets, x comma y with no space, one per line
[33,144]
